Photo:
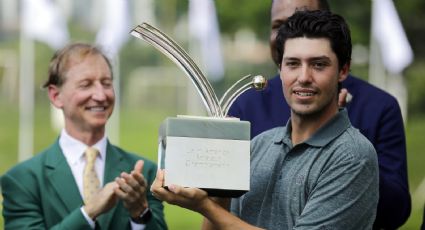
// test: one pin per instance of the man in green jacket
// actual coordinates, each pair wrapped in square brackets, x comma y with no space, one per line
[82,181]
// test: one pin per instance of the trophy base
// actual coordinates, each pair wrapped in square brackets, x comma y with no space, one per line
[221,192]
[208,153]
[224,192]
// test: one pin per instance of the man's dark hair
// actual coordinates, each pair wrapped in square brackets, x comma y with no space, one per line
[317,24]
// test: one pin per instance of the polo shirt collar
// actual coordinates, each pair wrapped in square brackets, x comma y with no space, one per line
[331,130]
[285,136]
[325,134]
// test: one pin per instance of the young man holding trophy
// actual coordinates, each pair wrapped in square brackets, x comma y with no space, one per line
[318,172]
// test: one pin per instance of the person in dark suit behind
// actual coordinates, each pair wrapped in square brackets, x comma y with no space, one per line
[61,187]
[374,112]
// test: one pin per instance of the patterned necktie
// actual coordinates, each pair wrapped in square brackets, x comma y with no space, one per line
[90,179]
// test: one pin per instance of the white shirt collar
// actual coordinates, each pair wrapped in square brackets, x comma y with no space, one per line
[73,149]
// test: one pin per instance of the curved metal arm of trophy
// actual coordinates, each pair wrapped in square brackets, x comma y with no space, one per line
[226,94]
[175,53]
[258,82]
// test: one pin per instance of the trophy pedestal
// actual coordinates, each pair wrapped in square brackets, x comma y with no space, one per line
[208,153]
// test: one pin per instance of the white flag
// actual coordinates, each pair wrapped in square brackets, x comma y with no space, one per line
[114,31]
[203,26]
[388,31]
[43,21]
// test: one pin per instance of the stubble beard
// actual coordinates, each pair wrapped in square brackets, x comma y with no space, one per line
[313,114]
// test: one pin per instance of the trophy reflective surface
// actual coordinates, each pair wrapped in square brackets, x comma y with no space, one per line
[212,153]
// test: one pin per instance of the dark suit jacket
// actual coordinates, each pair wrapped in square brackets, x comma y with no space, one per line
[373,111]
[41,193]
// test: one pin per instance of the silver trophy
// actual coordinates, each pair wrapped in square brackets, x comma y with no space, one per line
[212,152]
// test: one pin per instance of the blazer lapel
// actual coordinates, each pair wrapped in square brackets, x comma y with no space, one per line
[60,176]
[114,165]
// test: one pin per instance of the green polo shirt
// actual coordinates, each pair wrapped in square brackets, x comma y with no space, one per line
[330,181]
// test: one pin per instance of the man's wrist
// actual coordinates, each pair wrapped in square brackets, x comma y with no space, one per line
[89,220]
[144,217]
[90,212]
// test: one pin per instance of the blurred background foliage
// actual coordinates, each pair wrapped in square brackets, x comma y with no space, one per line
[234,16]
[253,16]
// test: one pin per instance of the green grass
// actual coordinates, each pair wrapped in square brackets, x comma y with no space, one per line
[139,132]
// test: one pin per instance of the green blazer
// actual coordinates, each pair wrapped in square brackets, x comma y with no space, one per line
[41,193]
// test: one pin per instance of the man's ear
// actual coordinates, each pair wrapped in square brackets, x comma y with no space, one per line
[55,96]
[343,72]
